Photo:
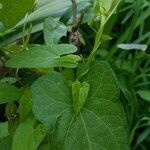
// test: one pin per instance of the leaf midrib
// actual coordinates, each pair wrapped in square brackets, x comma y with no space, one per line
[86,132]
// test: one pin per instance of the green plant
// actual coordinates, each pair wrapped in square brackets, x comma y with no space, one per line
[60,91]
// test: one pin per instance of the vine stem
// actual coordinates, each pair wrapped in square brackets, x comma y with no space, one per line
[74,8]
[98,41]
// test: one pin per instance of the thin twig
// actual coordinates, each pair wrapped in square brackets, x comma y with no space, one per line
[74,9]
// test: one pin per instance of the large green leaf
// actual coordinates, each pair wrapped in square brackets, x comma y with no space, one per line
[9,93]
[100,124]
[45,57]
[28,135]
[12,11]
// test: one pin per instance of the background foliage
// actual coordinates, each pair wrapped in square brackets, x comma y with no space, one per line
[35,40]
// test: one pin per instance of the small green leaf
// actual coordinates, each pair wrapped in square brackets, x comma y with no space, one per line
[53,31]
[45,57]
[144,94]
[79,95]
[13,11]
[25,105]
[9,93]
[28,135]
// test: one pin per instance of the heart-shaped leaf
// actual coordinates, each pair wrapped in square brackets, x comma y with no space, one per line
[100,124]
[53,31]
[45,57]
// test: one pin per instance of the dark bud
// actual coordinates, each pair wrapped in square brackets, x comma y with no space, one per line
[74,38]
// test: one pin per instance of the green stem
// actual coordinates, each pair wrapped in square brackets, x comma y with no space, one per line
[98,41]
